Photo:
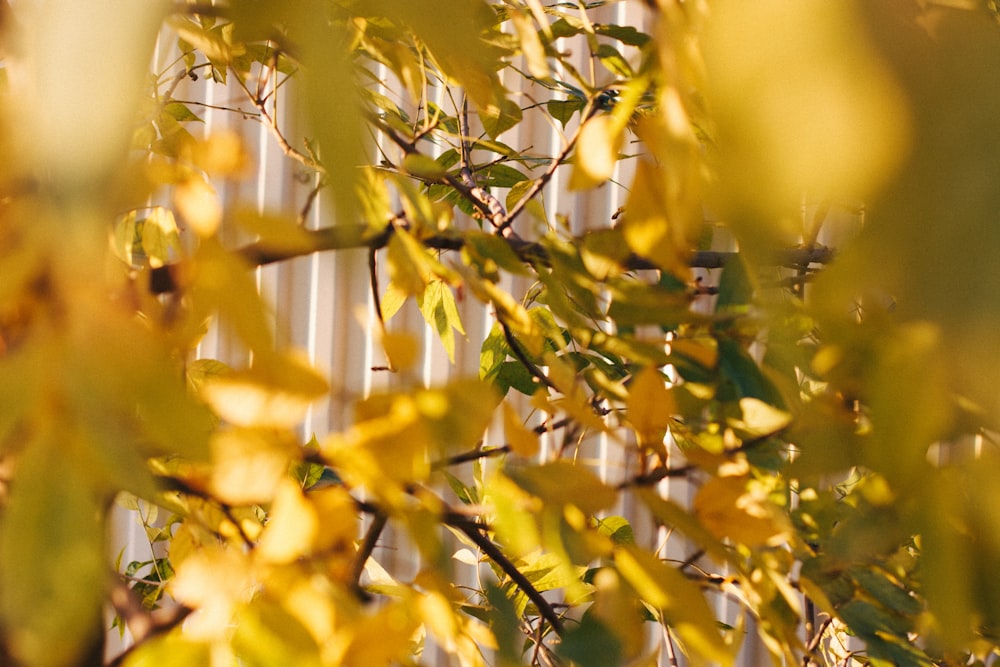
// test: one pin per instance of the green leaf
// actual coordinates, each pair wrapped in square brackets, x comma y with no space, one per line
[888,592]
[736,285]
[625,34]
[437,305]
[563,110]
[180,112]
[617,528]
[513,375]
[498,119]
[744,376]
[500,176]
[506,626]
[591,643]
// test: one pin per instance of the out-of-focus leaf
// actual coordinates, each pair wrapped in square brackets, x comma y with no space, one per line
[172,650]
[52,569]
[820,90]
[563,483]
[274,393]
[267,635]
[596,153]
[744,375]
[736,286]
[680,600]
[531,44]
[248,466]
[651,408]
[635,303]
[523,441]
[647,226]
[383,638]
[731,508]
[758,419]
[591,644]
[199,205]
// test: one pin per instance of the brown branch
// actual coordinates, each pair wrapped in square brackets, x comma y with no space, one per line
[352,236]
[549,172]
[475,533]
[410,148]
[655,476]
[365,549]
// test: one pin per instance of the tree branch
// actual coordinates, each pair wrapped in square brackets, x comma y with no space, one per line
[475,533]
[353,236]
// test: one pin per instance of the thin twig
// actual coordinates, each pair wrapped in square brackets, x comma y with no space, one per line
[549,172]
[655,476]
[515,349]
[475,533]
[367,546]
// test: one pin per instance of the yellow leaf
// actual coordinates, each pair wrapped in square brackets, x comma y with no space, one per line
[650,406]
[223,154]
[248,467]
[531,45]
[731,508]
[401,349]
[523,441]
[336,512]
[292,525]
[596,153]
[276,393]
[199,205]
[159,236]
[680,600]
[759,419]
[648,228]
[408,264]
[212,582]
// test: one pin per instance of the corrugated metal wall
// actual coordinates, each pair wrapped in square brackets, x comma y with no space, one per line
[322,303]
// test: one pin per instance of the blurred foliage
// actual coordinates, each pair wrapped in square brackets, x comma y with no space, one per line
[808,457]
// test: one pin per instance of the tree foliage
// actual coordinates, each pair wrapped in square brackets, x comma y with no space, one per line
[835,428]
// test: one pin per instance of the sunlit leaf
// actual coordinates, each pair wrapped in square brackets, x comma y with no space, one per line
[534,51]
[596,153]
[171,650]
[651,407]
[523,441]
[248,466]
[563,483]
[730,507]
[680,600]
